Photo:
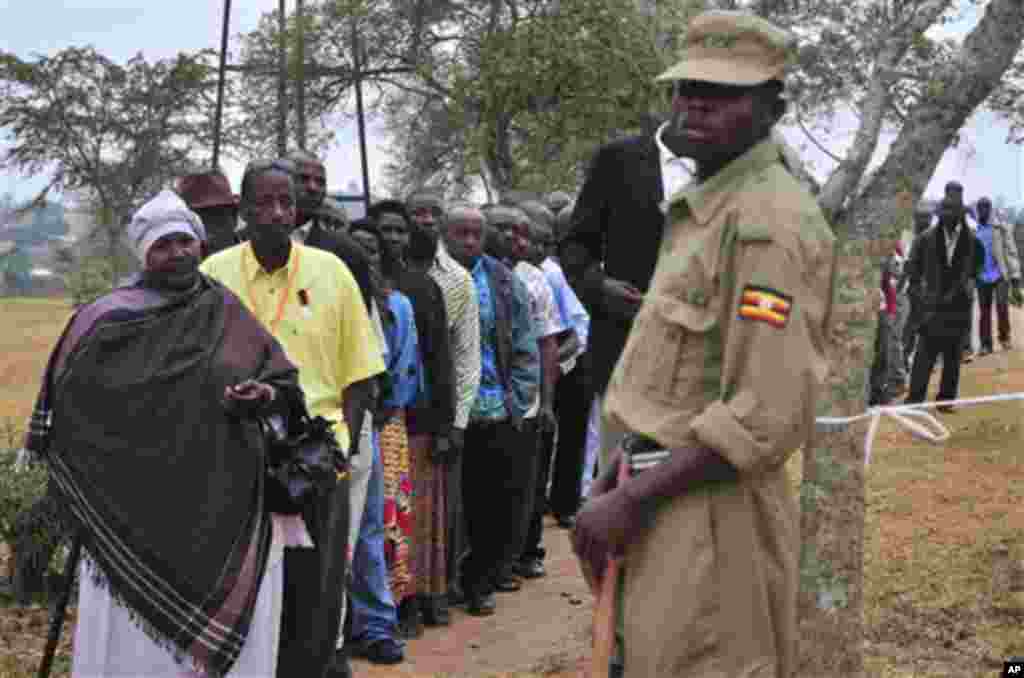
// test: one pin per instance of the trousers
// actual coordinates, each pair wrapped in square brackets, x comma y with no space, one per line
[374,613]
[496,483]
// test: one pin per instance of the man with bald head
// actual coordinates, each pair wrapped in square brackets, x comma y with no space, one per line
[511,226]
[556,201]
[495,479]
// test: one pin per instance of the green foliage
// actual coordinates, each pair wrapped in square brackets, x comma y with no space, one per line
[112,133]
[518,93]
[89,280]
[543,85]
[19,488]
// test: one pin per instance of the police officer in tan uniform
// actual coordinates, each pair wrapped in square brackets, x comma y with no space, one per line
[718,381]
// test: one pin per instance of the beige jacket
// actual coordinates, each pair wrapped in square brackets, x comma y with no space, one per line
[728,351]
[1004,250]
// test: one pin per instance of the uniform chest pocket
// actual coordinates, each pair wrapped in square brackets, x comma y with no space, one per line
[674,352]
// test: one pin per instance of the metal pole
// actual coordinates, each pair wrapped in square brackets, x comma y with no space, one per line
[282,74]
[300,92]
[360,120]
[220,85]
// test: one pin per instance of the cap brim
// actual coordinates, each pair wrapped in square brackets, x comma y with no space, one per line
[721,71]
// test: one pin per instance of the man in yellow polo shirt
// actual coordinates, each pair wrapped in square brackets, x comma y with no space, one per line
[310,302]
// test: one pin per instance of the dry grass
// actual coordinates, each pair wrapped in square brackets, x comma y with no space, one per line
[31,328]
[934,514]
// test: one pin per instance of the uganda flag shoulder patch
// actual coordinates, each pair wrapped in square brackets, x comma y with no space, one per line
[765,304]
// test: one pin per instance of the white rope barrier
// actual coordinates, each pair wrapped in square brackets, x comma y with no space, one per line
[929,428]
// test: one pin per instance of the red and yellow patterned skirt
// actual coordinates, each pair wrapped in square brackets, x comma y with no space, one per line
[398,494]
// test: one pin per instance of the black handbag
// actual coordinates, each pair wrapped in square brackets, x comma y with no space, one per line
[303,461]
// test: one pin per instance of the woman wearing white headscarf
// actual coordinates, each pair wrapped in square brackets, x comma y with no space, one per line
[147,422]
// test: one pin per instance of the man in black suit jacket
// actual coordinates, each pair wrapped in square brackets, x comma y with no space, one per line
[613,242]
[943,266]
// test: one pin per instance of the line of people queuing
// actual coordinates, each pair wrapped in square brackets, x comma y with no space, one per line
[442,341]
[962,261]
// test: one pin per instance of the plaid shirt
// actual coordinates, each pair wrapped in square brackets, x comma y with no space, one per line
[460,303]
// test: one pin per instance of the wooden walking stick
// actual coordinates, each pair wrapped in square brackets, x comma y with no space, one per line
[604,612]
[57,622]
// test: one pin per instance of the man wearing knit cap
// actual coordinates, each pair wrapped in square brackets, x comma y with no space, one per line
[164,215]
[209,195]
[718,381]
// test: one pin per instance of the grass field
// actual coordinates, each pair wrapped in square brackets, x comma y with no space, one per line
[31,328]
[935,512]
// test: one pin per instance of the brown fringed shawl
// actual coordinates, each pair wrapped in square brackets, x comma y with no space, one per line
[164,486]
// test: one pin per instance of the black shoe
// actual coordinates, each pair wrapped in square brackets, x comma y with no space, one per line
[338,666]
[435,611]
[946,409]
[456,596]
[531,569]
[566,522]
[481,606]
[985,350]
[410,619]
[508,584]
[382,651]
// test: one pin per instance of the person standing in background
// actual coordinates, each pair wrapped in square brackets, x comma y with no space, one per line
[1000,272]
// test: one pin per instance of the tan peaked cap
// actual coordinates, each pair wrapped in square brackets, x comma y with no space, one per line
[733,48]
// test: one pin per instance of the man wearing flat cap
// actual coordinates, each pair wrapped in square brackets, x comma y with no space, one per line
[718,381]
[209,195]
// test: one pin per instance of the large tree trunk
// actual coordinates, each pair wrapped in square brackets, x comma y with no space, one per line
[832,495]
[833,489]
[932,125]
[874,106]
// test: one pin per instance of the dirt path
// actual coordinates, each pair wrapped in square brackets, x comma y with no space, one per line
[934,514]
[542,629]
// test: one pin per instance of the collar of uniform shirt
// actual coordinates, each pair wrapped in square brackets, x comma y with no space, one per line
[704,198]
[676,172]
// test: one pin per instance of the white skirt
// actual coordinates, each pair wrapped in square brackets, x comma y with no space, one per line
[107,643]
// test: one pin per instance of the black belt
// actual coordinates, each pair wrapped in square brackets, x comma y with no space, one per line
[643,453]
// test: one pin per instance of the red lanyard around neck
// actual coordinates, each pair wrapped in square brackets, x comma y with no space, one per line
[285,293]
